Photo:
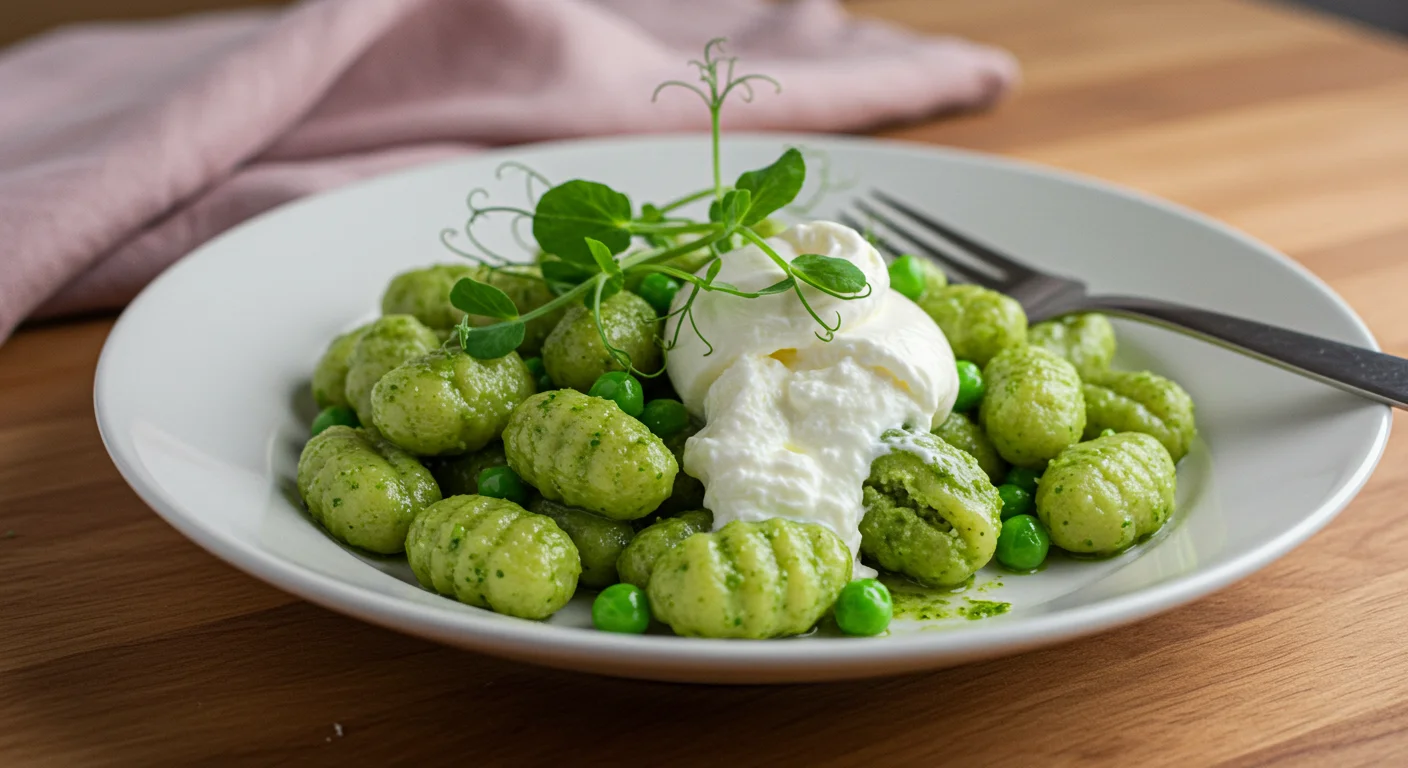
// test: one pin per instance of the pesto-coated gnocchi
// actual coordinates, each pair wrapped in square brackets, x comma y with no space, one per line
[1087,341]
[962,433]
[1140,401]
[1034,407]
[930,511]
[459,475]
[638,559]
[599,541]
[574,355]
[362,489]
[447,402]
[387,342]
[978,322]
[751,580]
[494,554]
[330,375]
[1101,497]
[586,452]
[425,293]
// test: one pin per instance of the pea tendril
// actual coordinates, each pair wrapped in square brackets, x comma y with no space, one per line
[589,228]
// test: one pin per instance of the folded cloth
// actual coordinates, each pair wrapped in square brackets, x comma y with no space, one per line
[124,146]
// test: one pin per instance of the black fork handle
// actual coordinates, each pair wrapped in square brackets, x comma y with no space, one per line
[1358,370]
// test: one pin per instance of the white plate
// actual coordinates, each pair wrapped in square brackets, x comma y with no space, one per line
[201,397]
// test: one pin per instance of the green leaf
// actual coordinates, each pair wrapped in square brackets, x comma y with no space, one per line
[492,341]
[569,213]
[713,272]
[615,279]
[774,186]
[735,206]
[781,286]
[829,272]
[562,275]
[476,298]
[605,260]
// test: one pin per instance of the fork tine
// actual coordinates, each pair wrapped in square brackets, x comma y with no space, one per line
[978,250]
[884,246]
[953,267]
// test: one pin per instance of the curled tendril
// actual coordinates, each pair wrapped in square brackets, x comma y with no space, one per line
[679,84]
[529,176]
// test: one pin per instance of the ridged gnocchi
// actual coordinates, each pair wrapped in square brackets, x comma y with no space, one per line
[1101,497]
[1140,401]
[750,580]
[362,489]
[493,554]
[447,402]
[574,354]
[978,322]
[638,559]
[1087,341]
[1034,407]
[586,452]
[385,344]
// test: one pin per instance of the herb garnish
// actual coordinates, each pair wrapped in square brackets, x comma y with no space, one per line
[587,227]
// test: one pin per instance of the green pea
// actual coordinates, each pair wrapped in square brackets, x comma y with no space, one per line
[1023,477]
[907,276]
[665,417]
[864,608]
[335,415]
[621,608]
[540,373]
[503,483]
[1015,501]
[659,291]
[621,388]
[971,386]
[1107,432]
[1023,543]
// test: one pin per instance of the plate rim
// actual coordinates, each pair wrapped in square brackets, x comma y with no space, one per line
[841,658]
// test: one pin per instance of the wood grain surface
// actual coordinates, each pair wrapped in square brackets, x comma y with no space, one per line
[124,644]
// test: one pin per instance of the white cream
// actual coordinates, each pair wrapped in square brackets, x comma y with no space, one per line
[792,422]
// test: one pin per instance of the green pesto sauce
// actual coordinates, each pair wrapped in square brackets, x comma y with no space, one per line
[918,603]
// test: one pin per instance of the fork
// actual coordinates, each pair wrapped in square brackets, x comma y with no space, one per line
[1364,372]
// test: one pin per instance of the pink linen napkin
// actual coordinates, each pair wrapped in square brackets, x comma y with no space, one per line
[124,146]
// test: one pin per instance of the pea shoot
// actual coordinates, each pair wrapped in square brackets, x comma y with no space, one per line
[621,608]
[971,386]
[621,388]
[335,415]
[864,608]
[665,417]
[1015,500]
[907,276]
[1023,543]
[503,483]
[599,239]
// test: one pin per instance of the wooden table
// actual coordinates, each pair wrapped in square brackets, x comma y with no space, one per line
[122,643]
